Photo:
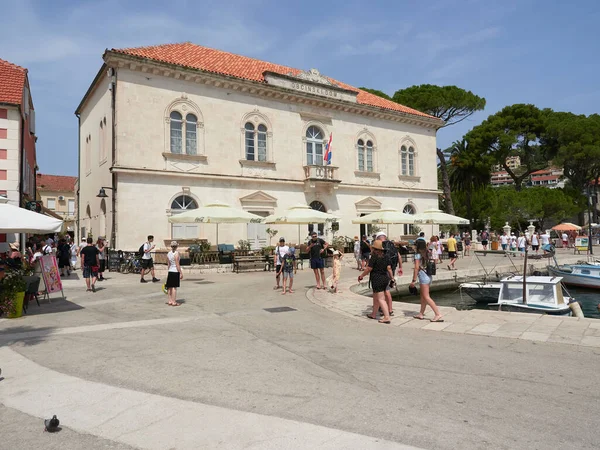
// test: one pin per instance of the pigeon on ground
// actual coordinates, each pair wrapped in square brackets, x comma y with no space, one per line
[51,425]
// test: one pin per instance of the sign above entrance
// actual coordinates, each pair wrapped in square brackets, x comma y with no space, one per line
[310,82]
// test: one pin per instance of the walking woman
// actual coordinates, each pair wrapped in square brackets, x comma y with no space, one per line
[420,274]
[101,245]
[380,270]
[174,276]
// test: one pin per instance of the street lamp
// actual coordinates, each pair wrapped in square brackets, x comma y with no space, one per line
[102,192]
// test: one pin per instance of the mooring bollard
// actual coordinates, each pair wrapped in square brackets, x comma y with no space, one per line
[576,309]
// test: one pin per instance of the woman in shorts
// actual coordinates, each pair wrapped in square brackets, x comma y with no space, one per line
[380,274]
[174,275]
[420,274]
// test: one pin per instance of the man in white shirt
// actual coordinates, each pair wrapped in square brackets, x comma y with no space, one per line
[545,241]
[504,241]
[565,240]
[147,263]
[522,244]
[279,252]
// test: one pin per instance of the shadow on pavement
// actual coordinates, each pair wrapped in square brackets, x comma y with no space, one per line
[25,335]
[55,306]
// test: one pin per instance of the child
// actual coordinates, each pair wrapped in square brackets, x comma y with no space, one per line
[288,268]
[337,271]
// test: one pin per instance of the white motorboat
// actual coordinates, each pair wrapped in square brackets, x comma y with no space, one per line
[543,295]
[481,291]
[584,275]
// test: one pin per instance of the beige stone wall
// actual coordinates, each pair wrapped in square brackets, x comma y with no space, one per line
[149,178]
[95,213]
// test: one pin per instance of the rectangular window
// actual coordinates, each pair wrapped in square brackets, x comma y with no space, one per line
[250,145]
[190,138]
[262,146]
[309,154]
[3,174]
[51,203]
[3,154]
[102,154]
[71,207]
[411,165]
[361,159]
[369,159]
[176,136]
[3,113]
[3,133]
[319,154]
[404,164]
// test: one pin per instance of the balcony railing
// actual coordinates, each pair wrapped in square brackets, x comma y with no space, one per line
[321,173]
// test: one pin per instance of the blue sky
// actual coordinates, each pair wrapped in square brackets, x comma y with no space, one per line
[511,51]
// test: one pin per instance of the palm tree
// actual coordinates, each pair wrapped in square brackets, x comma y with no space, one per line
[470,171]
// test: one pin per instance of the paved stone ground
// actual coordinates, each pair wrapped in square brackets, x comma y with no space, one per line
[532,327]
[121,369]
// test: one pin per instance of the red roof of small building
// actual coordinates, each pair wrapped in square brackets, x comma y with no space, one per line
[217,61]
[546,178]
[60,183]
[12,82]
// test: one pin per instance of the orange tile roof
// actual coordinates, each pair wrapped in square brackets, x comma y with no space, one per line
[217,61]
[60,183]
[12,82]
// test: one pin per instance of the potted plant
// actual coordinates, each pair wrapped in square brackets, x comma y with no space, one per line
[12,293]
[494,241]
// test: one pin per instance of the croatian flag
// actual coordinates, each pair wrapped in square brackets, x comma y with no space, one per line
[328,150]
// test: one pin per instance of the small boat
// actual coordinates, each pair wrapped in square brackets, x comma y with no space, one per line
[481,291]
[584,275]
[543,295]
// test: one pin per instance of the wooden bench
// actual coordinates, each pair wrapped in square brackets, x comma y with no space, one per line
[241,263]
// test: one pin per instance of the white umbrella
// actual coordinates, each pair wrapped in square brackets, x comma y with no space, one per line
[437,217]
[215,212]
[300,215]
[385,216]
[19,220]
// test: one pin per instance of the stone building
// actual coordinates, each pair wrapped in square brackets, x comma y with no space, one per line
[171,127]
[57,194]
[17,138]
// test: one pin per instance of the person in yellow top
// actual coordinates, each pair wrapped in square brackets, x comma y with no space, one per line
[452,251]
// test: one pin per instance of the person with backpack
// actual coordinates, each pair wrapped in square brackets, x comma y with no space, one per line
[147,263]
[423,272]
[391,252]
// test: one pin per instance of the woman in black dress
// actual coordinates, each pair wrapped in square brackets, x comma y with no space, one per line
[380,270]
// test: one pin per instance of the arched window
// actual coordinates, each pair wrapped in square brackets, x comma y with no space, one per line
[408,209]
[360,146]
[320,228]
[256,142]
[176,132]
[369,156]
[314,146]
[262,142]
[191,125]
[181,204]
[250,145]
[407,161]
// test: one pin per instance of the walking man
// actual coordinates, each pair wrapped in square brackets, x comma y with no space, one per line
[90,264]
[147,263]
[279,252]
[316,248]
[452,251]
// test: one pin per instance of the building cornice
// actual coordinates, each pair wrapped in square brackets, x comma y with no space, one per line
[247,179]
[90,89]
[258,89]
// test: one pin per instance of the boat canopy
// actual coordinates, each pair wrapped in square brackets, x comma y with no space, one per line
[539,290]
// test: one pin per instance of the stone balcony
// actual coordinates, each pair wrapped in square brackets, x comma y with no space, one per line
[321,177]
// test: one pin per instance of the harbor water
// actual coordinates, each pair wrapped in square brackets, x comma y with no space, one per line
[587,298]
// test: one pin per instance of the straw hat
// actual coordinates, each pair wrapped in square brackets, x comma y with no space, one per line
[14,246]
[377,245]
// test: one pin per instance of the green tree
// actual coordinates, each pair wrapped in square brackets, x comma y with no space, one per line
[517,130]
[546,205]
[449,103]
[376,92]
[469,171]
